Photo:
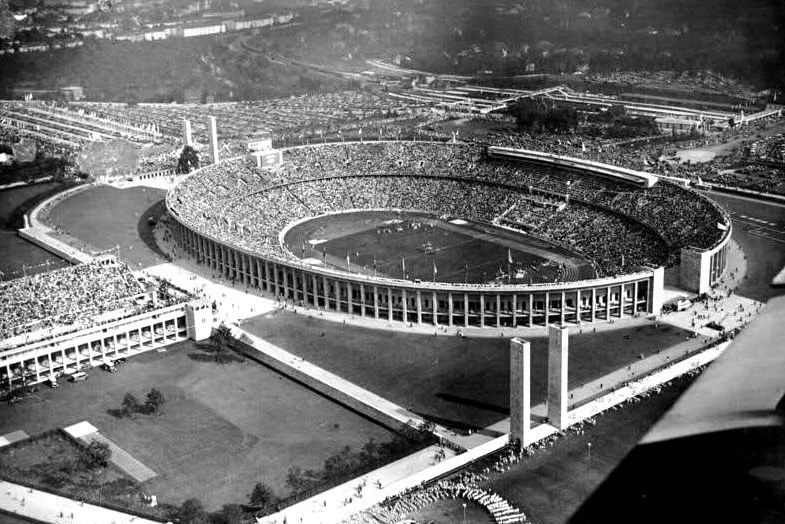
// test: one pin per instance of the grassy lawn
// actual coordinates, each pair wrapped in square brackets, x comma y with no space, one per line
[473,253]
[51,461]
[463,382]
[14,250]
[104,217]
[223,427]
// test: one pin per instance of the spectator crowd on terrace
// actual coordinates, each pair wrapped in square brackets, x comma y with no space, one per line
[64,297]
[619,226]
[286,117]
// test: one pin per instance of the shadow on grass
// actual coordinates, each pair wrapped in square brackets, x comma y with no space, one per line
[206,357]
[207,353]
[145,229]
[473,403]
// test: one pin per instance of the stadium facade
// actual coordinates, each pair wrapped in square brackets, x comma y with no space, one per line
[219,243]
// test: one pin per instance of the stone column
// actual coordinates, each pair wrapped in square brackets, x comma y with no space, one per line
[435,305]
[547,309]
[450,307]
[593,303]
[563,308]
[531,309]
[498,310]
[520,391]
[294,286]
[578,306]
[419,307]
[362,300]
[514,310]
[405,306]
[376,302]
[558,350]
[466,310]
[349,304]
[482,310]
[389,305]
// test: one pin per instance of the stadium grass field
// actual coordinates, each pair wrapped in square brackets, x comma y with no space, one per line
[104,217]
[459,382]
[224,427]
[387,242]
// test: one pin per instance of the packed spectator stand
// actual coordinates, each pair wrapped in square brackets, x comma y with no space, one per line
[639,227]
[71,296]
[292,117]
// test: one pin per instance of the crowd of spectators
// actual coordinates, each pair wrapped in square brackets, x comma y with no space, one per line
[619,226]
[500,510]
[286,117]
[63,297]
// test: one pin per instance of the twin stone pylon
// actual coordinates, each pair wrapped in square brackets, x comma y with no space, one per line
[520,384]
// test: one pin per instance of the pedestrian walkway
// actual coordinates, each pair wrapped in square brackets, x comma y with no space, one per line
[45,507]
[332,506]
[14,436]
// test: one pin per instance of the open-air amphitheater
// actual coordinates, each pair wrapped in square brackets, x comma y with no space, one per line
[639,232]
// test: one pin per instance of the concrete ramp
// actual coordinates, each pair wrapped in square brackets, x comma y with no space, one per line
[14,436]
[86,432]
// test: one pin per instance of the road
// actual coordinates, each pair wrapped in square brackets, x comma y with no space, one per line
[759,228]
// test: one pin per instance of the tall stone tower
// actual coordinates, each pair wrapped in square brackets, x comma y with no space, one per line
[213,140]
[187,137]
[558,352]
[520,391]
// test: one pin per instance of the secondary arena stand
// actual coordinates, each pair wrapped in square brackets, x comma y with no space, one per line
[70,319]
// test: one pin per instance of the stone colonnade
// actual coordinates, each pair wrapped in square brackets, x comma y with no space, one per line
[438,304]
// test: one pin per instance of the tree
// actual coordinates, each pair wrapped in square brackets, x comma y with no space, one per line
[95,454]
[261,495]
[228,514]
[188,161]
[221,338]
[155,399]
[6,21]
[192,512]
[130,404]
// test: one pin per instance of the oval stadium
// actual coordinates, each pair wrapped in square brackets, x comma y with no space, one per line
[450,234]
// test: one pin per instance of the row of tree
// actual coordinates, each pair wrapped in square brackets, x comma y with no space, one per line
[131,406]
[347,462]
[535,115]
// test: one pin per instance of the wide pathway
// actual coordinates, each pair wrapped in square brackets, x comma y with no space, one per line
[45,507]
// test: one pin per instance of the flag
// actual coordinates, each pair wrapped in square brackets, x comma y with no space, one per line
[348,264]
[509,256]
[722,226]
[403,266]
[434,268]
